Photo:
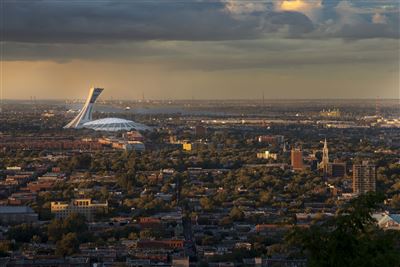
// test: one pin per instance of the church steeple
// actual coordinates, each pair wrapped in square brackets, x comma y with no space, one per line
[325,158]
[325,152]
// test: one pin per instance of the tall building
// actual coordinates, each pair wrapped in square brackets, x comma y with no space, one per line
[364,178]
[297,159]
[324,164]
[85,115]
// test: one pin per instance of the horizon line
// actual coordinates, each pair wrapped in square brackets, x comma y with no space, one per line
[204,99]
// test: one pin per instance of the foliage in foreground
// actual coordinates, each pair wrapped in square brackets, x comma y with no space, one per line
[351,238]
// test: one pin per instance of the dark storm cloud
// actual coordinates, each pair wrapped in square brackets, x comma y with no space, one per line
[116,30]
[59,21]
[103,21]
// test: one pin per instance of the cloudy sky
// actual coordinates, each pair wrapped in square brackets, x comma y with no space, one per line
[205,49]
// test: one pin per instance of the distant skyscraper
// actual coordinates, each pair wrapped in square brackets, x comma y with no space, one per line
[86,113]
[325,158]
[297,159]
[364,178]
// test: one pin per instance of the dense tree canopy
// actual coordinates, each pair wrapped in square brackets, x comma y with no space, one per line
[351,238]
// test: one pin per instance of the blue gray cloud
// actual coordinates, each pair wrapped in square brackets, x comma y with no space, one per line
[59,21]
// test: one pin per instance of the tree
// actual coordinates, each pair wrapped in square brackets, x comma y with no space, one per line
[351,238]
[266,197]
[206,203]
[146,234]
[68,245]
[225,221]
[23,233]
[5,246]
[395,203]
[236,214]
[133,236]
[208,240]
[74,223]
[82,161]
[55,230]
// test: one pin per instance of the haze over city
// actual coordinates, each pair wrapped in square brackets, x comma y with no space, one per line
[200,49]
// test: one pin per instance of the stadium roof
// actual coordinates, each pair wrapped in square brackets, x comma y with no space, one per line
[115,125]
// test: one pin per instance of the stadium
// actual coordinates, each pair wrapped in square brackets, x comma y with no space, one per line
[115,125]
[84,118]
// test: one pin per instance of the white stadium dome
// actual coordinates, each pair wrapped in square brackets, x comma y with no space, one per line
[114,125]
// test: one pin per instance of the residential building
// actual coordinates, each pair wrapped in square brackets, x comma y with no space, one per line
[388,221]
[364,178]
[82,206]
[337,169]
[271,139]
[180,262]
[187,146]
[297,159]
[267,155]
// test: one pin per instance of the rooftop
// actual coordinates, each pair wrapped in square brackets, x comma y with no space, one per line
[15,209]
[115,125]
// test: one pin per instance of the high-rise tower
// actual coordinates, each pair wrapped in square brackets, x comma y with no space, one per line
[296,156]
[364,178]
[86,113]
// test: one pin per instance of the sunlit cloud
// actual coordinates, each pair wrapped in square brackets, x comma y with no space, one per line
[348,13]
[311,9]
[379,18]
[239,7]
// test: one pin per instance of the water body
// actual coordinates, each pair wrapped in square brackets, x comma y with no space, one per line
[149,110]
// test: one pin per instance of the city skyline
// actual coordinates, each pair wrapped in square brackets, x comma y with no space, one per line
[201,49]
[199,133]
